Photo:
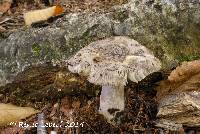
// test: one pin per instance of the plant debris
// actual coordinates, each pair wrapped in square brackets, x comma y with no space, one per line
[16,10]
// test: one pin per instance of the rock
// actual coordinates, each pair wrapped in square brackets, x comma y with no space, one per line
[179,97]
[41,45]
[167,27]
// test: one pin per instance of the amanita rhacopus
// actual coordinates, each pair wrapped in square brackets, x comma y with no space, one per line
[110,62]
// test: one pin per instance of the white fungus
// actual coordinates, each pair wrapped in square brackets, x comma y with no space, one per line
[110,62]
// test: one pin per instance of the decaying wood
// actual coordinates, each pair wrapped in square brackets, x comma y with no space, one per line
[38,86]
[185,71]
[179,96]
[184,78]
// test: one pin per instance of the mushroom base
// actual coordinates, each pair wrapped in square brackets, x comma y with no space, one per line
[111,101]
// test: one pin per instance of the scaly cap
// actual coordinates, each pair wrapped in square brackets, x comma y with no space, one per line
[111,61]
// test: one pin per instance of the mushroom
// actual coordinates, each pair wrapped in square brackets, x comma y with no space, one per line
[109,63]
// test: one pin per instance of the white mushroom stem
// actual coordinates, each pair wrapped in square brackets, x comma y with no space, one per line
[112,97]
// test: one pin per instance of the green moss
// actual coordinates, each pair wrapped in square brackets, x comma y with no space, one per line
[188,58]
[36,49]
[45,50]
[184,47]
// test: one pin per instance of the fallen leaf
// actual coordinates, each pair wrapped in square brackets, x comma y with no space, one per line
[41,15]
[11,113]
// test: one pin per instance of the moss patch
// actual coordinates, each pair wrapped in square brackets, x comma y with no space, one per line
[188,58]
[36,49]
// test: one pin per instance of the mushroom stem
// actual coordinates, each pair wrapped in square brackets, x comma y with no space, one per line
[112,97]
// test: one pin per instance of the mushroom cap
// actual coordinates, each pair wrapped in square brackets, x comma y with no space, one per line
[114,60]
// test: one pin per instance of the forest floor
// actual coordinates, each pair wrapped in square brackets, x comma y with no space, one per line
[11,12]
[37,88]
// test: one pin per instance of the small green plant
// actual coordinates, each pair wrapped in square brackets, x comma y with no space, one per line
[36,49]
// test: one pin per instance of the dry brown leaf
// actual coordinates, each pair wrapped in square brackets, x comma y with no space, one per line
[41,15]
[11,113]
